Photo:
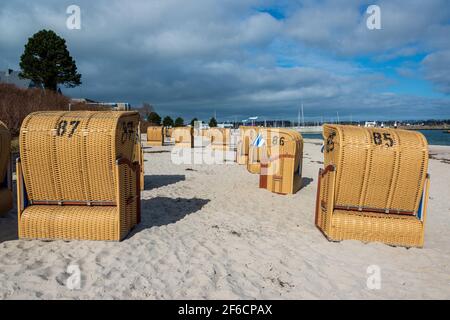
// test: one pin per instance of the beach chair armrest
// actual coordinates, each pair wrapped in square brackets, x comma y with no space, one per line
[327,181]
[128,191]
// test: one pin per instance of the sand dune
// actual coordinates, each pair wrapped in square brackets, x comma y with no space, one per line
[209,232]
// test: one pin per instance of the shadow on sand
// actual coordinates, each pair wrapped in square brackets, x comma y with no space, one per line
[159,181]
[306,182]
[162,211]
[8,221]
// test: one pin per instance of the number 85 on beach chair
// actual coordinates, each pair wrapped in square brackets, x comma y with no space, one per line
[374,186]
[76,179]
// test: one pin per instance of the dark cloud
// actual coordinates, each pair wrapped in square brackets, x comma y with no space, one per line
[194,58]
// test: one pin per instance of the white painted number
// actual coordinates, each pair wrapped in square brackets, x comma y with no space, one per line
[374,277]
[74,281]
[374,20]
[73,22]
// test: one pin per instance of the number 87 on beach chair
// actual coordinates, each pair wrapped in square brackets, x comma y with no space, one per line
[374,186]
[5,169]
[76,176]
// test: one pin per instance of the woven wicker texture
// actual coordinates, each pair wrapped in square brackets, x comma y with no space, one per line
[391,229]
[377,227]
[377,169]
[155,136]
[281,165]
[246,136]
[5,178]
[183,137]
[69,158]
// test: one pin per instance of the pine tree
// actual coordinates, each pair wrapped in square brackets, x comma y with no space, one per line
[47,62]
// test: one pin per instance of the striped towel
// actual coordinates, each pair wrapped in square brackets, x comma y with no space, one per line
[259,141]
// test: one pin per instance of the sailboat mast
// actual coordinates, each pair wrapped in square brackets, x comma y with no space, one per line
[303,117]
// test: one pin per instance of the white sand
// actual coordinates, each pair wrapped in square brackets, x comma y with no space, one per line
[211,233]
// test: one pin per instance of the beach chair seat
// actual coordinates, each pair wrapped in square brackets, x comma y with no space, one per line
[78,176]
[72,222]
[281,161]
[374,186]
[155,136]
[5,170]
[254,159]
[168,132]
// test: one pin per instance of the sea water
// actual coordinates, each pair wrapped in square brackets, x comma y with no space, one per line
[434,137]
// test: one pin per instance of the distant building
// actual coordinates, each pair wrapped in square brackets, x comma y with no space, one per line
[82,100]
[225,125]
[12,77]
[116,106]
[370,124]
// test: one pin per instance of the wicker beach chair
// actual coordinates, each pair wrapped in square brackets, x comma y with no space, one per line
[374,185]
[246,136]
[5,169]
[76,178]
[184,137]
[281,165]
[220,138]
[155,135]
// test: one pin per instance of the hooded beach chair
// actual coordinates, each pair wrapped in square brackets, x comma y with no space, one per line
[76,179]
[374,185]
[155,135]
[184,137]
[281,161]
[220,138]
[246,136]
[5,169]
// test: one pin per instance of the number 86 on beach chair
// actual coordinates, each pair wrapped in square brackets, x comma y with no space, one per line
[374,185]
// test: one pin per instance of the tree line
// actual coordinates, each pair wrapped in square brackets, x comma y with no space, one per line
[155,119]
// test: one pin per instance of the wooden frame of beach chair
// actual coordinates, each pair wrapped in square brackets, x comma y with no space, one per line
[75,177]
[184,137]
[155,136]
[139,157]
[6,201]
[254,159]
[281,167]
[220,138]
[168,135]
[374,186]
[246,135]
[168,132]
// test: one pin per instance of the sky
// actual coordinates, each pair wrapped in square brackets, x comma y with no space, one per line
[244,58]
